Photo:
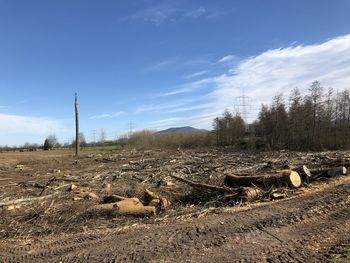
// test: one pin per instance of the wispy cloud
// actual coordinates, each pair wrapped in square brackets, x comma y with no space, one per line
[157,107]
[107,115]
[181,63]
[190,108]
[170,12]
[200,11]
[190,87]
[226,58]
[156,14]
[32,125]
[196,74]
[164,63]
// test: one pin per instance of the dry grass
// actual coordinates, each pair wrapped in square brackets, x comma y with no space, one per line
[148,139]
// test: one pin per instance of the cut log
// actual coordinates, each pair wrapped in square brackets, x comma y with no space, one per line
[133,206]
[155,202]
[159,202]
[283,178]
[249,193]
[149,195]
[304,172]
[129,206]
[276,196]
[340,170]
[328,172]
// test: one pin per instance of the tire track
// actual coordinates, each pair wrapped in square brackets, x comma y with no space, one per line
[305,226]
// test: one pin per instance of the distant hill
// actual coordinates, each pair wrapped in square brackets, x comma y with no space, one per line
[181,129]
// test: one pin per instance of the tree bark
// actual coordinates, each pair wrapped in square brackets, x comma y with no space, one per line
[329,172]
[283,178]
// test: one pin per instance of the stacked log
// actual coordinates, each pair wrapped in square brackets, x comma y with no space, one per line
[283,178]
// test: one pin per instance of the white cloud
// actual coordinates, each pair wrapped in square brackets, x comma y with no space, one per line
[201,11]
[190,108]
[157,107]
[226,58]
[190,87]
[170,12]
[107,115]
[157,14]
[181,63]
[31,125]
[280,70]
[164,63]
[196,74]
[264,75]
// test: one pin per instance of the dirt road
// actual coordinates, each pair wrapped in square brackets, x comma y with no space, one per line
[310,227]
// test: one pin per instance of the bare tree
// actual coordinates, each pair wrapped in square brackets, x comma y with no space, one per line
[313,121]
[228,129]
[316,91]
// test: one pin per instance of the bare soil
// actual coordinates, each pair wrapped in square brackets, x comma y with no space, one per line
[312,224]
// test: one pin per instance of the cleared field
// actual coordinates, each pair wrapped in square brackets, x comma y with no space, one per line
[310,224]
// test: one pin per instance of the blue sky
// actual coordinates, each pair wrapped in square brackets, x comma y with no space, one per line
[159,64]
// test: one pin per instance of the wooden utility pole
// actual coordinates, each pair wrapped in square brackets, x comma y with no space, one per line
[77,143]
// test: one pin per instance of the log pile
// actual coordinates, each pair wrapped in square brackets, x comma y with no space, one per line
[253,187]
[274,178]
[235,187]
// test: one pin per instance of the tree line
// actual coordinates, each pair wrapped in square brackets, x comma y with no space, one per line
[319,120]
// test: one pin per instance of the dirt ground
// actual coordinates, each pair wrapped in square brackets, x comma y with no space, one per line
[55,222]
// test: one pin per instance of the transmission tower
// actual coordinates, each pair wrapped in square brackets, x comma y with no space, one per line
[131,127]
[243,106]
[94,136]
